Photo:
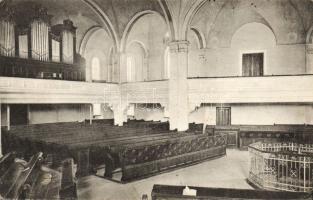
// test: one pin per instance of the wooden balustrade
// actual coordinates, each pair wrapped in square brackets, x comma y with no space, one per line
[28,68]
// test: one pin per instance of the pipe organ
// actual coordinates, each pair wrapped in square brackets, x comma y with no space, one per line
[23,46]
[7,32]
[67,45]
[26,32]
[40,40]
[7,38]
[55,54]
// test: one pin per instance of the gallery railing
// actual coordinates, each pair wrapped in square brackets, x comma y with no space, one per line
[28,68]
[281,166]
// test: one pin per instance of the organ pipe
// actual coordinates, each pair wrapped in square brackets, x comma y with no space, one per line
[68,46]
[55,51]
[7,38]
[40,39]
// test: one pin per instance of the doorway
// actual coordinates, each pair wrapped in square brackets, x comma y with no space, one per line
[18,114]
[252,64]
[223,116]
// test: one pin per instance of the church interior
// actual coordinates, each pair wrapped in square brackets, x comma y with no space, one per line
[156,99]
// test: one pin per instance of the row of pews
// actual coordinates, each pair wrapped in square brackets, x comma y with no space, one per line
[136,150]
[35,178]
[172,192]
[241,136]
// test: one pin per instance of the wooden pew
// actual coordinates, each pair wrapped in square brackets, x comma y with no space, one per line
[46,184]
[13,180]
[141,161]
[171,192]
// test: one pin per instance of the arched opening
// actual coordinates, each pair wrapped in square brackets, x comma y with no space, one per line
[131,74]
[167,57]
[149,31]
[95,69]
[253,42]
[98,46]
[136,62]
[111,72]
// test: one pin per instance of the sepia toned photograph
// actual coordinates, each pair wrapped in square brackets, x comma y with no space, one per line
[156,99]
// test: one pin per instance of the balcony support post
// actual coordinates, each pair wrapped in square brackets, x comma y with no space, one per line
[8,117]
[90,114]
[28,114]
[178,86]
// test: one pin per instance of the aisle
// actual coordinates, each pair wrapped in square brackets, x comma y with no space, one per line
[228,172]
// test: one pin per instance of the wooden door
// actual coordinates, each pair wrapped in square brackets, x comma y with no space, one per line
[223,116]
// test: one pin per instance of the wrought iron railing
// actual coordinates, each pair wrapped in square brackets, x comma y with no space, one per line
[281,166]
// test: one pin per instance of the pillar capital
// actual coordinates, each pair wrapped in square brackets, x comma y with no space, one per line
[309,48]
[179,46]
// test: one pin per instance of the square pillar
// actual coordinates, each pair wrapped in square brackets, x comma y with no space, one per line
[119,114]
[309,58]
[178,86]
[90,113]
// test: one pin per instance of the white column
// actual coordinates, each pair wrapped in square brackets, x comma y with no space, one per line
[119,107]
[178,86]
[309,58]
[119,115]
[90,114]
[8,117]
[0,132]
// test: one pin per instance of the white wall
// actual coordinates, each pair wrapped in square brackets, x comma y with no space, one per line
[267,115]
[149,115]
[252,37]
[309,115]
[58,113]
[257,114]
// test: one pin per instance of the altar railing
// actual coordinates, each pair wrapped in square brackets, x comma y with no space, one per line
[281,166]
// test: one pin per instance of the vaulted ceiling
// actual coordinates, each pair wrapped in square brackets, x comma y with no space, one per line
[209,17]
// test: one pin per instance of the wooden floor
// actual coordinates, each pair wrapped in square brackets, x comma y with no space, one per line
[229,172]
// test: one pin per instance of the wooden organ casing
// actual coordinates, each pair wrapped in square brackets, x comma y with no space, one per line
[26,32]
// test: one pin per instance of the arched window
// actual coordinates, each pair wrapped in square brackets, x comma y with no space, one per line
[95,69]
[136,59]
[130,68]
[166,70]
